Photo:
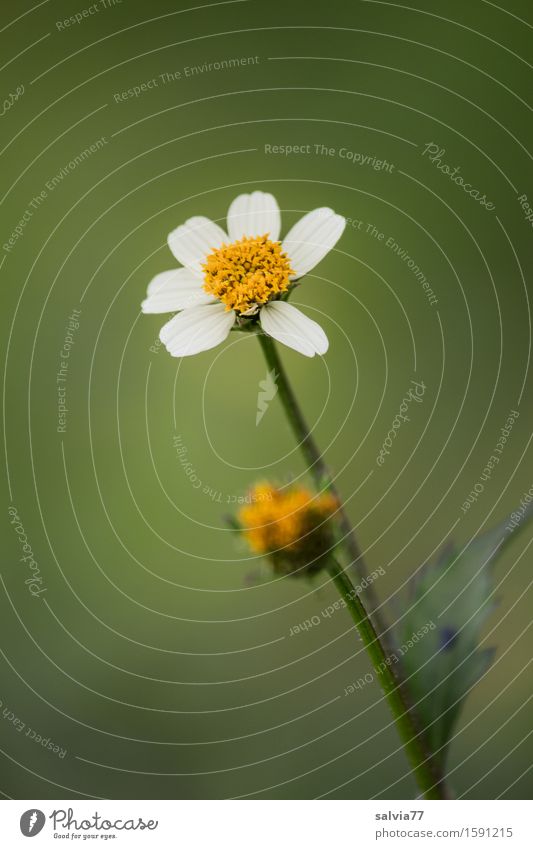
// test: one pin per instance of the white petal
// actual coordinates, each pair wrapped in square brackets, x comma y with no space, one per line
[193,241]
[254,215]
[311,238]
[175,290]
[197,329]
[288,325]
[182,274]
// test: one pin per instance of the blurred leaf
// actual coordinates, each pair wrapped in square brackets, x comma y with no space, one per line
[438,639]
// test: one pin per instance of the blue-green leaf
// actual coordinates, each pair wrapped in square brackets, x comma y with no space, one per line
[438,637]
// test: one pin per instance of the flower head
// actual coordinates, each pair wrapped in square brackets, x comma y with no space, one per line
[292,526]
[242,278]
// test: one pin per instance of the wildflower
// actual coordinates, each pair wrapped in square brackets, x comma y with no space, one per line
[244,278]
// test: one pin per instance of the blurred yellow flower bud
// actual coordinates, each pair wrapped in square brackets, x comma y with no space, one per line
[291,525]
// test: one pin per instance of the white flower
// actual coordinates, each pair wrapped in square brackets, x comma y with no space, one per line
[241,277]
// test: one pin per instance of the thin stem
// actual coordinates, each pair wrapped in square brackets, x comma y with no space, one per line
[425,769]
[427,773]
[319,470]
[306,442]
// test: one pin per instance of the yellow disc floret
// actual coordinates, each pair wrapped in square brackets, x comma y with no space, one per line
[247,273]
[291,525]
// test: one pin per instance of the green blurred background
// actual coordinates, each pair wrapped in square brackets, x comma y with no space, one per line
[152,658]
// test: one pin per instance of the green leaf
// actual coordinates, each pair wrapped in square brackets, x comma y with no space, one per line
[438,637]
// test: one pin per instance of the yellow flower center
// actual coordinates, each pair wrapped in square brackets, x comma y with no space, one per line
[290,524]
[247,273]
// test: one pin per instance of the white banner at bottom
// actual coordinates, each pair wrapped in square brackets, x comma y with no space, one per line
[268,824]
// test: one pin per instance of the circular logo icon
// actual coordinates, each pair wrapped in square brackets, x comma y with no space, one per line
[32,822]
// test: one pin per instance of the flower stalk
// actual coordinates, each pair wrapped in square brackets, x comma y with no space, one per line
[318,469]
[427,773]
[425,769]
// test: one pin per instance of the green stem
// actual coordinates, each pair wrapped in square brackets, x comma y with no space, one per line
[427,773]
[425,769]
[319,470]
